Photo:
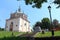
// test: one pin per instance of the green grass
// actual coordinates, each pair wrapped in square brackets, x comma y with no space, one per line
[47,34]
[5,35]
[39,34]
[57,33]
[9,34]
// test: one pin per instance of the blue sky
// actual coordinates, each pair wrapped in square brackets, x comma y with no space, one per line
[9,6]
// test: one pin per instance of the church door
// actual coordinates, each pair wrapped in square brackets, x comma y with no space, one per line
[11,26]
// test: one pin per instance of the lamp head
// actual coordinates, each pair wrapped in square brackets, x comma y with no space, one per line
[49,7]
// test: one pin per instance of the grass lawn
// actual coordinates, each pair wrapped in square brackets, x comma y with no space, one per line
[39,34]
[47,34]
[8,34]
[4,35]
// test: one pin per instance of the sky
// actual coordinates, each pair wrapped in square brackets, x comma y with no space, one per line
[10,6]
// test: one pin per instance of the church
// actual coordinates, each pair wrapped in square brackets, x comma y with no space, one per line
[18,22]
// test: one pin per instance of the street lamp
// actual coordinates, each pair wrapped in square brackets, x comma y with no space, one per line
[51,25]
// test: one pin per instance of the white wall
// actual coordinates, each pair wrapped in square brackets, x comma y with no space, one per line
[15,22]
[23,27]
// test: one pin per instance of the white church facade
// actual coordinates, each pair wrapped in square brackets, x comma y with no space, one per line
[18,22]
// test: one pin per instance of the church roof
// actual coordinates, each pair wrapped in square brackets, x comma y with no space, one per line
[18,14]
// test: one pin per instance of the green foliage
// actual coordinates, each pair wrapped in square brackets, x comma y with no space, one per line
[38,3]
[35,3]
[1,29]
[55,23]
[45,23]
[37,24]
[57,2]
[58,25]
[28,2]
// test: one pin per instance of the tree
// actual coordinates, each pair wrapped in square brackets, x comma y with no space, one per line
[38,3]
[1,29]
[35,3]
[55,23]
[45,23]
[59,25]
[37,24]
[57,2]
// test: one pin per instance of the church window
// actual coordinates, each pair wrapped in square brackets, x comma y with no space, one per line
[16,25]
[6,26]
[11,22]
[25,24]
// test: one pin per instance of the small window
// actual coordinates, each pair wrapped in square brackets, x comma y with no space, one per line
[6,26]
[11,22]
[25,24]
[16,25]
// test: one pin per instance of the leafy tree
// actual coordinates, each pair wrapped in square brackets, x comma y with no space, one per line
[1,29]
[57,2]
[38,3]
[37,24]
[45,23]
[35,3]
[55,23]
[58,25]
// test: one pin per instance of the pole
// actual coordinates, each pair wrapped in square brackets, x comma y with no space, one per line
[51,25]
[50,16]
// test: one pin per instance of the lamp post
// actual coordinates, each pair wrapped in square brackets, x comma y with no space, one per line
[51,25]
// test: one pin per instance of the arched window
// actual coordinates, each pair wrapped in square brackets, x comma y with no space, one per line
[25,24]
[12,23]
[11,26]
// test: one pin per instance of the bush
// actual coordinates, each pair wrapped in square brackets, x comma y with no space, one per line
[1,29]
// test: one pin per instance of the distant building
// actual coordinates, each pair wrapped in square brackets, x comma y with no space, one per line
[18,22]
[37,29]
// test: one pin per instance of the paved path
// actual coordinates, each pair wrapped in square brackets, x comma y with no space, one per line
[27,35]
